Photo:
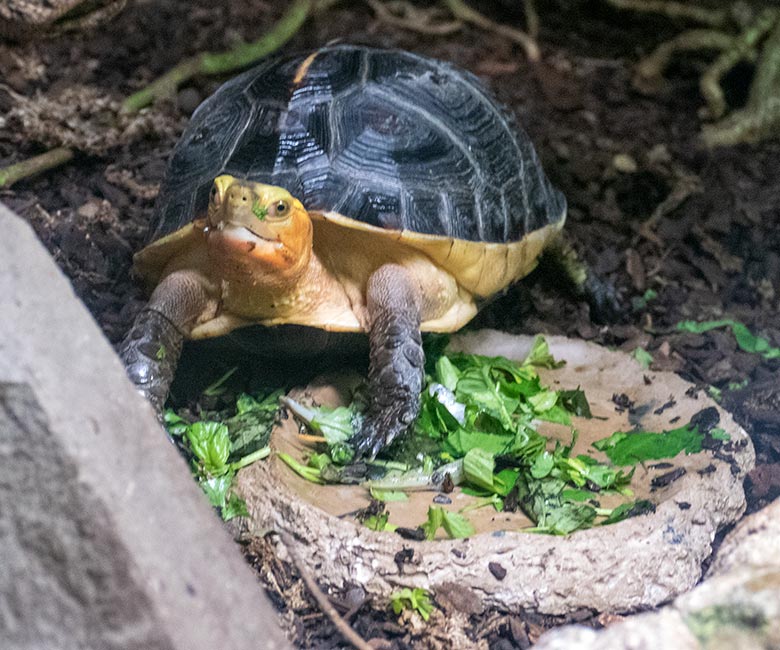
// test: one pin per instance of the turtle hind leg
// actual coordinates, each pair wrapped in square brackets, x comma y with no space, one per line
[395,373]
[152,346]
[583,283]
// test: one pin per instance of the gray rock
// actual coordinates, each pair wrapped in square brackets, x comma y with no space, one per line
[736,608]
[754,542]
[105,540]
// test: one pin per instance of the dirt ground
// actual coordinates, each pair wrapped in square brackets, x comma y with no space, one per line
[650,207]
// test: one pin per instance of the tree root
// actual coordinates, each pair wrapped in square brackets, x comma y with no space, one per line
[757,39]
[743,47]
[671,9]
[465,13]
[650,69]
[404,14]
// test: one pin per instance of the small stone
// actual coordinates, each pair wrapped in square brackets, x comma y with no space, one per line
[188,99]
[499,572]
[89,210]
[624,163]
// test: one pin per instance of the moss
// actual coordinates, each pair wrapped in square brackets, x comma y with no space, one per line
[718,621]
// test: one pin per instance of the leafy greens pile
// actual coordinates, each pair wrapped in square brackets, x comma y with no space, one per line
[477,416]
[218,448]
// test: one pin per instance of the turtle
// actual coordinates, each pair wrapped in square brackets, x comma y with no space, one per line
[350,189]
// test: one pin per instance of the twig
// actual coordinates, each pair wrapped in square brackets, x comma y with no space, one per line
[465,13]
[221,62]
[671,9]
[322,599]
[35,165]
[531,18]
[412,18]
[686,186]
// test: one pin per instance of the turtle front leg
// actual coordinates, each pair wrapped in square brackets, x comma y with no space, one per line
[151,348]
[395,373]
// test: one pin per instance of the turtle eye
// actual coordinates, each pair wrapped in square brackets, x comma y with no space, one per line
[214,195]
[279,209]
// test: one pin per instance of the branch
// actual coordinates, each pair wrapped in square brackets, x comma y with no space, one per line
[322,600]
[465,13]
[35,165]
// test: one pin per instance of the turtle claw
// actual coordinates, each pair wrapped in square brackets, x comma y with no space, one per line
[378,432]
[368,442]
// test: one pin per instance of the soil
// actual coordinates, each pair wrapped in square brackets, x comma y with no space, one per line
[651,210]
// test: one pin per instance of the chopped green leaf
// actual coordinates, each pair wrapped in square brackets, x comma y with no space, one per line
[719,434]
[418,600]
[635,447]
[433,523]
[379,522]
[640,302]
[218,387]
[174,424]
[318,461]
[260,211]
[505,480]
[210,443]
[478,466]
[456,525]
[213,448]
[235,507]
[643,357]
[575,402]
[745,339]
[715,393]
[543,400]
[447,373]
[494,500]
[309,473]
[250,428]
[626,510]
[337,425]
[478,387]
[540,356]
[543,464]
[388,496]
[216,489]
[577,495]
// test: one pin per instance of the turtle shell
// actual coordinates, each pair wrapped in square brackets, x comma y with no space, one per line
[388,138]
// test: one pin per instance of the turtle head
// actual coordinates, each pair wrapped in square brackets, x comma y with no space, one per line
[260,228]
